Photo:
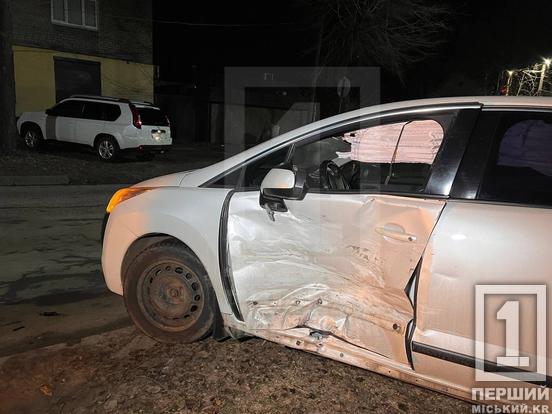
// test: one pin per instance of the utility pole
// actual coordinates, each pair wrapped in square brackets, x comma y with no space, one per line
[8,130]
[509,83]
[317,71]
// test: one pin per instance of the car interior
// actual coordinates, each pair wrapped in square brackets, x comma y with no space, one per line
[328,171]
[392,157]
[520,169]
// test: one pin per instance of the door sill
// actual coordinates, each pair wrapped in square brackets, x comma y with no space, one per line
[333,348]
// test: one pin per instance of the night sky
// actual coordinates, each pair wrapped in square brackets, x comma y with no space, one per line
[485,37]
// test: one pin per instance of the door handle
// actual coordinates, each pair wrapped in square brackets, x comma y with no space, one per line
[395,234]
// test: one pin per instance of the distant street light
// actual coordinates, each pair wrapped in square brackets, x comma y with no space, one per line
[526,81]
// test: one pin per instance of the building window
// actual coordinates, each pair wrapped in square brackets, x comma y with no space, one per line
[79,13]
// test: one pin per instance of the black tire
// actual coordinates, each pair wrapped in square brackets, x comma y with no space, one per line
[145,156]
[107,148]
[32,137]
[168,294]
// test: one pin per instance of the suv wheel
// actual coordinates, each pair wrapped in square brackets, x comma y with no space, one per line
[107,148]
[33,137]
[168,294]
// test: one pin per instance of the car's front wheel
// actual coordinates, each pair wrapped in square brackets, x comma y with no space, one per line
[107,148]
[32,136]
[168,293]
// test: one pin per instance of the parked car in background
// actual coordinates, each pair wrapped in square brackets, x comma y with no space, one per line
[109,125]
[361,238]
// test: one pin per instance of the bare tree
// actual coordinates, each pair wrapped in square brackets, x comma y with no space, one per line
[534,80]
[393,34]
[7,82]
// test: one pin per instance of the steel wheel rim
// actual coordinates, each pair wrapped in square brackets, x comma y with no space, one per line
[106,149]
[170,296]
[30,139]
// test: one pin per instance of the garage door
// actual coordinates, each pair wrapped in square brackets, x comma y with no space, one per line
[76,77]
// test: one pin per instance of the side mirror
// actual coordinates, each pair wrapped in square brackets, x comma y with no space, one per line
[50,111]
[279,185]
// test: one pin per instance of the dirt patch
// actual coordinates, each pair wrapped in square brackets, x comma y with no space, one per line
[82,166]
[124,372]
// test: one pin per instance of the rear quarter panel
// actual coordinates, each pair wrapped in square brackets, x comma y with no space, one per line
[480,244]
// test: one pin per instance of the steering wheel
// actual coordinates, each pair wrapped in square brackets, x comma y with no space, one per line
[331,177]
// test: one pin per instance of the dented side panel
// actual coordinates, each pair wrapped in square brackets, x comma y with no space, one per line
[480,244]
[332,263]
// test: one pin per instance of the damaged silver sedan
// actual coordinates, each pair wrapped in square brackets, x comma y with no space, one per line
[361,237]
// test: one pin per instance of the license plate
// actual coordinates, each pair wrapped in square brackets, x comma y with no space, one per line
[158,134]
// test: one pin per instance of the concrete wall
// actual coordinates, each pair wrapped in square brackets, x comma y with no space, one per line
[35,80]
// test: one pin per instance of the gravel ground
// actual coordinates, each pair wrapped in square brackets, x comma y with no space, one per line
[82,166]
[126,372]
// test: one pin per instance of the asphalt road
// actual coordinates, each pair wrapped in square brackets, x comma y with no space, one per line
[50,241]
[51,284]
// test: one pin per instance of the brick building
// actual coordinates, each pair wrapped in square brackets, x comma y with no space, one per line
[64,47]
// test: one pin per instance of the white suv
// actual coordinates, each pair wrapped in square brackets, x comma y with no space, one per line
[109,125]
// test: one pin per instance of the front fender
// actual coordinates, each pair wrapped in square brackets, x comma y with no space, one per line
[36,118]
[191,215]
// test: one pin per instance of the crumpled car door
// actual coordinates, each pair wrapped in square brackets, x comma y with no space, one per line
[338,264]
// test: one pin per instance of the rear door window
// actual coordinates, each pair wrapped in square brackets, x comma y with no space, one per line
[520,165]
[101,111]
[152,117]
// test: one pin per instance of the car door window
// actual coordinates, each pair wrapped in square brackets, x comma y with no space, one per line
[520,165]
[94,111]
[101,111]
[394,157]
[69,109]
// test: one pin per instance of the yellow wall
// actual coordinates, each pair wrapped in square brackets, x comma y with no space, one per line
[35,88]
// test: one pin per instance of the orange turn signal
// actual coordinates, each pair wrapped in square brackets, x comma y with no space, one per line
[125,194]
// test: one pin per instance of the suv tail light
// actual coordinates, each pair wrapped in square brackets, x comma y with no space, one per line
[136,121]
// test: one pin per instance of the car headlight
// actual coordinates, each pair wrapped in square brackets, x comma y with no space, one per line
[125,194]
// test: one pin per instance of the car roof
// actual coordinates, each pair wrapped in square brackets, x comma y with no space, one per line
[522,102]
[110,99]
[488,101]
[485,101]
[419,104]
